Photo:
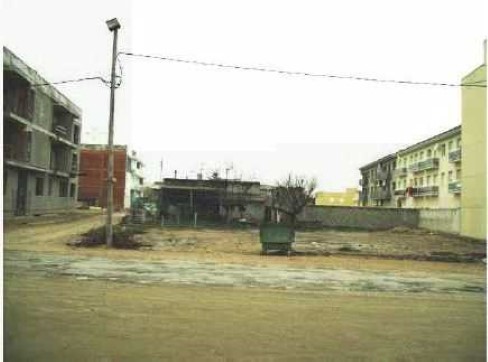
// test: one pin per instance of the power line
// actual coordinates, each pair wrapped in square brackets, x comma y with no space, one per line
[295,73]
[71,81]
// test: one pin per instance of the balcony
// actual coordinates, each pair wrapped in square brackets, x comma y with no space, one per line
[13,153]
[429,164]
[400,192]
[425,191]
[400,172]
[18,98]
[382,175]
[60,130]
[454,187]
[380,194]
[455,156]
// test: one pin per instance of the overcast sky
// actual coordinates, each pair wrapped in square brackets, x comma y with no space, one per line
[263,124]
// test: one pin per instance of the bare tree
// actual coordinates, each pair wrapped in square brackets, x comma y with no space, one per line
[292,194]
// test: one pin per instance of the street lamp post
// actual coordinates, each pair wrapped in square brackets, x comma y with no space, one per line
[113,25]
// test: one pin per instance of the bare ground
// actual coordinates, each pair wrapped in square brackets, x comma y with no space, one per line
[207,294]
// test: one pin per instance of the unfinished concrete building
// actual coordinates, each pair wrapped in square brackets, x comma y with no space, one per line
[182,201]
[41,139]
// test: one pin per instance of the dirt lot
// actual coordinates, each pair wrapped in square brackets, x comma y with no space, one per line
[208,294]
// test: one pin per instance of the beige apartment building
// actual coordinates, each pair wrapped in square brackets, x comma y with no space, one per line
[428,174]
[473,216]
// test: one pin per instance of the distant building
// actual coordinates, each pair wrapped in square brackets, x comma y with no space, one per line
[428,173]
[349,197]
[93,176]
[41,139]
[376,182]
[212,201]
[474,182]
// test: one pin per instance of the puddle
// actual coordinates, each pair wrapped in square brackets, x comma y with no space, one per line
[208,273]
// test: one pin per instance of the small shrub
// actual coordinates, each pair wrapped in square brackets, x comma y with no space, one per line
[347,248]
[123,237]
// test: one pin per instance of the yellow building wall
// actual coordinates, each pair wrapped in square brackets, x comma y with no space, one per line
[473,203]
[350,197]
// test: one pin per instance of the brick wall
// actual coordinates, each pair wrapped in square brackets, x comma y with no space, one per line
[92,181]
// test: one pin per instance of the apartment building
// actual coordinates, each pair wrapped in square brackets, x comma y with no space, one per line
[349,197]
[376,182]
[474,183]
[128,173]
[41,139]
[428,173]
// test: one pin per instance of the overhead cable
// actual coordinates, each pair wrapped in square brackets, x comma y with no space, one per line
[295,73]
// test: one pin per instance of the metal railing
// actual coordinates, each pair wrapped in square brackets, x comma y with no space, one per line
[454,187]
[399,172]
[425,191]
[380,194]
[455,156]
[399,192]
[382,175]
[429,164]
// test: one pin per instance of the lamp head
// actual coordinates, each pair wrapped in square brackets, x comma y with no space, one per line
[113,24]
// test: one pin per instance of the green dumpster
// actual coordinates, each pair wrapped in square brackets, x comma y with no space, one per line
[276,237]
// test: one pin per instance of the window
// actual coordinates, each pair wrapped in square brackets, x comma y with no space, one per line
[72,190]
[443,149]
[63,188]
[421,181]
[427,181]
[39,186]
[421,155]
[429,153]
[50,182]
[458,143]
[449,176]
[458,174]
[449,146]
[434,180]
[29,146]
[415,181]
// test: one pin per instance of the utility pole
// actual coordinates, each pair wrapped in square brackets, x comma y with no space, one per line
[161,170]
[113,25]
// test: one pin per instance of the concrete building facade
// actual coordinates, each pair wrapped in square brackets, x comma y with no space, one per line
[474,182]
[42,129]
[428,173]
[128,173]
[349,197]
[376,182]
